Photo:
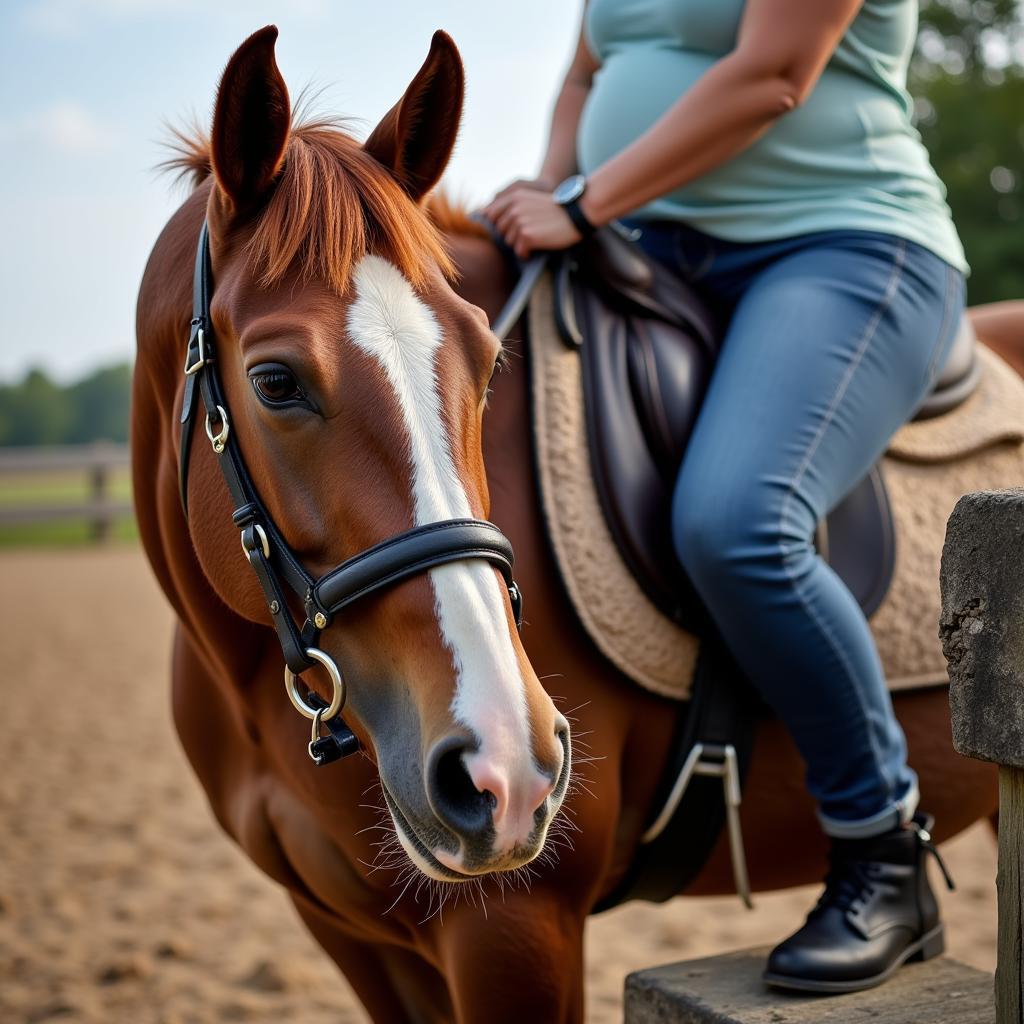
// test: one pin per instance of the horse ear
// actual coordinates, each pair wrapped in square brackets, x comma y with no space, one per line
[250,122]
[415,138]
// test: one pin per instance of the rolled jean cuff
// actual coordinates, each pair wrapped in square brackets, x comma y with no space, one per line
[897,813]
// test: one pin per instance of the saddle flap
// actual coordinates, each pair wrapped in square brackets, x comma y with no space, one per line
[634,284]
[647,347]
[646,361]
[667,380]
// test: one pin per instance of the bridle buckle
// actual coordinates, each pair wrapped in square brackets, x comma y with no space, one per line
[199,338]
[251,536]
[220,439]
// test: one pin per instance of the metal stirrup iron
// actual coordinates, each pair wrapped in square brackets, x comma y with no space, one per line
[718,762]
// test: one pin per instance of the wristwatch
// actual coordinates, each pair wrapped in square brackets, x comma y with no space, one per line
[568,195]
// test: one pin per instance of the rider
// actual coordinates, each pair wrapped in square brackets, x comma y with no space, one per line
[765,150]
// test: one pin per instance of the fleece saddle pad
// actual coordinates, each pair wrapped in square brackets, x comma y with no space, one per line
[979,445]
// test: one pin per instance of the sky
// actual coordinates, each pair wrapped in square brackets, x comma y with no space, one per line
[89,85]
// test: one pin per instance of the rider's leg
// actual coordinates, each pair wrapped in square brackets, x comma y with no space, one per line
[828,351]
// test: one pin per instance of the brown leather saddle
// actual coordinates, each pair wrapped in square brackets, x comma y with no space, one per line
[648,345]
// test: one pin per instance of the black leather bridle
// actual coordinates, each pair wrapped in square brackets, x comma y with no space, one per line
[276,565]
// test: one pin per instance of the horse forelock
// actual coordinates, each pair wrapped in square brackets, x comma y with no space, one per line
[331,205]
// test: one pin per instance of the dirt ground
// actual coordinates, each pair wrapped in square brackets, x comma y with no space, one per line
[120,900]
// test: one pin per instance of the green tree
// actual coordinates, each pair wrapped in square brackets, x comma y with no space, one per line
[35,411]
[99,406]
[961,36]
[969,87]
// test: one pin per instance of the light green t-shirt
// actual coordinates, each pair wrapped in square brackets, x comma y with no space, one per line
[848,157]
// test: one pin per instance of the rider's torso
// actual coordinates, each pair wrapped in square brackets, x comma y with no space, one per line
[848,157]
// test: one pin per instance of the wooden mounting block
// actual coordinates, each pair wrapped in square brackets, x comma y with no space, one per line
[728,990]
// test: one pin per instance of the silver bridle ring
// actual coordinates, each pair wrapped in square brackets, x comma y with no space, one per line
[219,439]
[337,683]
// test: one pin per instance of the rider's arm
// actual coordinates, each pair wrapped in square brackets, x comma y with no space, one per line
[560,158]
[782,48]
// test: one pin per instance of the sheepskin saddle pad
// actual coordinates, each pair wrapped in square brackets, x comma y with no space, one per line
[930,463]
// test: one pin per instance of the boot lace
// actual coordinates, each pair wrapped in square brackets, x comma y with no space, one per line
[925,839]
[847,883]
[850,879]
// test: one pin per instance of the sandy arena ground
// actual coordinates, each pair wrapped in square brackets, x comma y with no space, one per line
[120,900]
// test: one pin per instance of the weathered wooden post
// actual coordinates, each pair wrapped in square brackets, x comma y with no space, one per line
[982,630]
[99,473]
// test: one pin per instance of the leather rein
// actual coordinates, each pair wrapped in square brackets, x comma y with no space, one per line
[277,567]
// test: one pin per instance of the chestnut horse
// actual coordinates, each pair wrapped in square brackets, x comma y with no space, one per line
[445,887]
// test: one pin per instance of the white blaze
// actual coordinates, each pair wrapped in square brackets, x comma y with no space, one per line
[389,322]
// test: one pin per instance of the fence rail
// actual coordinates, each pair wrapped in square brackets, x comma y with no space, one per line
[97,461]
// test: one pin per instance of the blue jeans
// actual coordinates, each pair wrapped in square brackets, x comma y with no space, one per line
[832,340]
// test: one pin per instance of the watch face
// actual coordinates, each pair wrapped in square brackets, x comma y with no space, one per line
[570,189]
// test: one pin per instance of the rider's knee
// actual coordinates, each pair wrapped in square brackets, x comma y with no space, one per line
[708,537]
[742,532]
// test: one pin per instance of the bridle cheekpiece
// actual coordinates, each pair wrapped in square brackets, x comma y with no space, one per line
[276,566]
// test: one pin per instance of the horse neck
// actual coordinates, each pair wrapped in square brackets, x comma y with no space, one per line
[163,313]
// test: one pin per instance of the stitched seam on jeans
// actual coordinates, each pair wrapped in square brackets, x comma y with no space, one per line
[826,630]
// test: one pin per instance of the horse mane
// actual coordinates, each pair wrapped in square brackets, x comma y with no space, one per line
[332,204]
[451,217]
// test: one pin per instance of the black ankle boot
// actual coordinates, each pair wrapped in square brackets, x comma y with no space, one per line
[877,912]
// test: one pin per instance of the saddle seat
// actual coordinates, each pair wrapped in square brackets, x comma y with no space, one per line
[648,346]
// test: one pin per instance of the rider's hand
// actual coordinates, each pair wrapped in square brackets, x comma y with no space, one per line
[540,184]
[529,219]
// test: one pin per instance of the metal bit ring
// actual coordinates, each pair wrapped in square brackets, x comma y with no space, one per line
[338,695]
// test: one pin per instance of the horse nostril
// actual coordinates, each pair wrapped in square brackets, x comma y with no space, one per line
[456,782]
[563,737]
[452,793]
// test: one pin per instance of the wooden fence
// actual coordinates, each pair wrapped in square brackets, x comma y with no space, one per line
[98,462]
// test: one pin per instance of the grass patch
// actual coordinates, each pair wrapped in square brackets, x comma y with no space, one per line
[70,533]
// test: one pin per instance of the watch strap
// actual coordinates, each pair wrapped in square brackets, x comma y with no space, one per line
[578,217]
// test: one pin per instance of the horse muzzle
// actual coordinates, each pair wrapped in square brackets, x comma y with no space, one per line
[480,816]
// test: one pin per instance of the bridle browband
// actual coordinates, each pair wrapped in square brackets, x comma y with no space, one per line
[276,566]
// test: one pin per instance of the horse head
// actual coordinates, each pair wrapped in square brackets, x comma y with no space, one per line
[357,382]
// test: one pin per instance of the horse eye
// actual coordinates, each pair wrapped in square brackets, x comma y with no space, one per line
[277,387]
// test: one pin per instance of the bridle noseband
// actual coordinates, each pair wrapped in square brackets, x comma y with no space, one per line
[275,564]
